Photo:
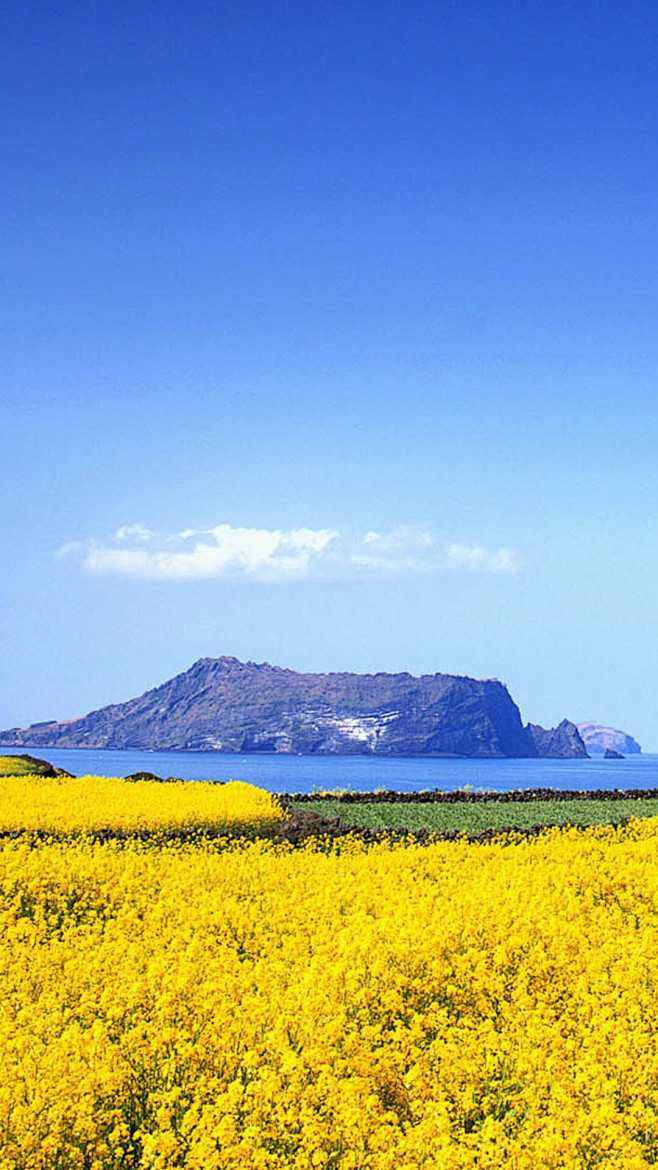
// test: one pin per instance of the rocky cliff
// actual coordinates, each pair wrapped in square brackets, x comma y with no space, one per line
[561,742]
[597,738]
[221,704]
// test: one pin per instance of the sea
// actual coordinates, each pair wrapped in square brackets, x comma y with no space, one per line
[307,774]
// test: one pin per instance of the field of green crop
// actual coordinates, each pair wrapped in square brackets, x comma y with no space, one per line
[473,818]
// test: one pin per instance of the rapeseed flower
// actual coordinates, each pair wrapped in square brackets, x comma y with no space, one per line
[64,804]
[220,1004]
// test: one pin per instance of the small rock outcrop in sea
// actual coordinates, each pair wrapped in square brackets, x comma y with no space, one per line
[613,754]
[561,742]
[597,737]
[221,704]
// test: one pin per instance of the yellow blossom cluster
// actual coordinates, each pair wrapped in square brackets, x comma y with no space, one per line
[16,766]
[87,803]
[215,1006]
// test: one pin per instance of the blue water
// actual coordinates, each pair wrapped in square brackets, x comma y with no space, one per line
[281,773]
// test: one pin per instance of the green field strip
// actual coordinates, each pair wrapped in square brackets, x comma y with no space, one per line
[473,818]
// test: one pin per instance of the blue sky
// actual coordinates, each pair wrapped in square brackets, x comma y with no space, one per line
[329,339]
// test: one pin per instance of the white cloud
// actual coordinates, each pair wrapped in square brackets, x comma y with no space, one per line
[477,559]
[133,531]
[402,552]
[268,555]
[256,554]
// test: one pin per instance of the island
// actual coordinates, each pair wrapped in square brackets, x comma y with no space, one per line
[224,705]
[599,738]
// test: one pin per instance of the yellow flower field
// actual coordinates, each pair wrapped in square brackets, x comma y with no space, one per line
[16,766]
[242,1004]
[86,803]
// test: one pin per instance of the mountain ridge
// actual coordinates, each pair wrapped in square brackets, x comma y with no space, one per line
[223,704]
